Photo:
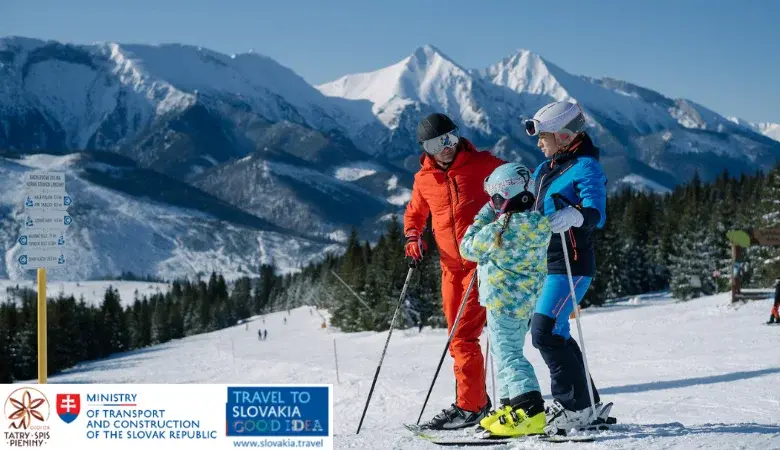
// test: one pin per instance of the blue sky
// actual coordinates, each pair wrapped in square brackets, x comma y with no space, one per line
[722,54]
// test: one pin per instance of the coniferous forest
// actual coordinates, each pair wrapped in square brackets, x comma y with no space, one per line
[651,242]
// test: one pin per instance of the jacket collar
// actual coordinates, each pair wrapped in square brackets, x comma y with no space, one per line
[581,146]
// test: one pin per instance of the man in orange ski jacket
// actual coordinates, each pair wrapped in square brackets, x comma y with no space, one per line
[450,187]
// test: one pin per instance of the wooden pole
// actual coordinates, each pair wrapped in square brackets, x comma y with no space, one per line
[42,356]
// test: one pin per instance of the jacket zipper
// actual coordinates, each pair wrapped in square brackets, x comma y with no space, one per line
[539,191]
[455,186]
[573,243]
[452,212]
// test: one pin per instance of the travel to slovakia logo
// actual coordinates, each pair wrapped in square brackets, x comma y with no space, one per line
[68,407]
[27,410]
[279,411]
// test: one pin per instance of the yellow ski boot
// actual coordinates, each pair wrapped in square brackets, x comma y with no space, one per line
[518,423]
[493,417]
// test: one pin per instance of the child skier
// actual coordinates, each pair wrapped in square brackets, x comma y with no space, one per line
[509,242]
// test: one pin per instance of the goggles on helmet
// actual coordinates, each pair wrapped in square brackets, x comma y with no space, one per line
[440,143]
[498,202]
[532,127]
[498,191]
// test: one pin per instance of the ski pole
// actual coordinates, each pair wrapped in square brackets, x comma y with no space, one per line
[449,339]
[579,327]
[392,324]
[489,363]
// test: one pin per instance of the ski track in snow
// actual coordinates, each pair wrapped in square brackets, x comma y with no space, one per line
[699,374]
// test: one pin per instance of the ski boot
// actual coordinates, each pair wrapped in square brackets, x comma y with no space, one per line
[560,420]
[493,416]
[526,417]
[454,418]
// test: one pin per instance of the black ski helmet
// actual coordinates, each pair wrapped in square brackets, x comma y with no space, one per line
[434,125]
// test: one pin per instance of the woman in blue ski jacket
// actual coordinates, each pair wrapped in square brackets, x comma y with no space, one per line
[571,192]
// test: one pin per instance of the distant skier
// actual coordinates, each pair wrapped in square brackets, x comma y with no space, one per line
[260,334]
[774,315]
[571,175]
[285,320]
[509,242]
[265,334]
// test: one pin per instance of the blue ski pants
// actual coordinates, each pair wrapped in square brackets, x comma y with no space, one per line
[550,333]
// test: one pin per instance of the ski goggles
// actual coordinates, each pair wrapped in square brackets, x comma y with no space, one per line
[532,127]
[498,202]
[440,143]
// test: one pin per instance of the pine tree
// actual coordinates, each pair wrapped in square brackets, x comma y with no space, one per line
[114,327]
[770,218]
[242,297]
[160,319]
[175,319]
[693,267]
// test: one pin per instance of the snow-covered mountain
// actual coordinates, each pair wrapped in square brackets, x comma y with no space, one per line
[132,219]
[770,130]
[215,139]
[195,115]
[173,108]
[647,139]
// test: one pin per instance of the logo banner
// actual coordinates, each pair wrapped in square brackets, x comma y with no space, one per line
[166,416]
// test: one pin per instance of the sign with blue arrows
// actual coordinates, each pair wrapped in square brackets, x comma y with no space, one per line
[41,202]
[41,258]
[42,239]
[47,220]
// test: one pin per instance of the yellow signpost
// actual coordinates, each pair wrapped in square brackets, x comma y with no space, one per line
[42,357]
[43,243]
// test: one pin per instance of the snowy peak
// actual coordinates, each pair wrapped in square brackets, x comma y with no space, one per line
[427,76]
[770,130]
[526,71]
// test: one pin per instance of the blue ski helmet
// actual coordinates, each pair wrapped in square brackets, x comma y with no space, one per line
[508,181]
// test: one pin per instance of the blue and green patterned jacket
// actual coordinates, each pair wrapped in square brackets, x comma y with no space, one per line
[510,276]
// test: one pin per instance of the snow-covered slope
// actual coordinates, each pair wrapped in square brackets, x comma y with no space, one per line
[697,374]
[129,220]
[295,194]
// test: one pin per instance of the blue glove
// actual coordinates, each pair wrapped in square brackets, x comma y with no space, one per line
[565,218]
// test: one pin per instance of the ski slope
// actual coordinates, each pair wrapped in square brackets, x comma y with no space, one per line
[701,374]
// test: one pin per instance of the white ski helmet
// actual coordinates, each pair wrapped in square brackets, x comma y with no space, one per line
[508,181]
[565,120]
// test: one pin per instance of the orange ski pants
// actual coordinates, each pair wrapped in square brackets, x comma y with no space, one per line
[469,364]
